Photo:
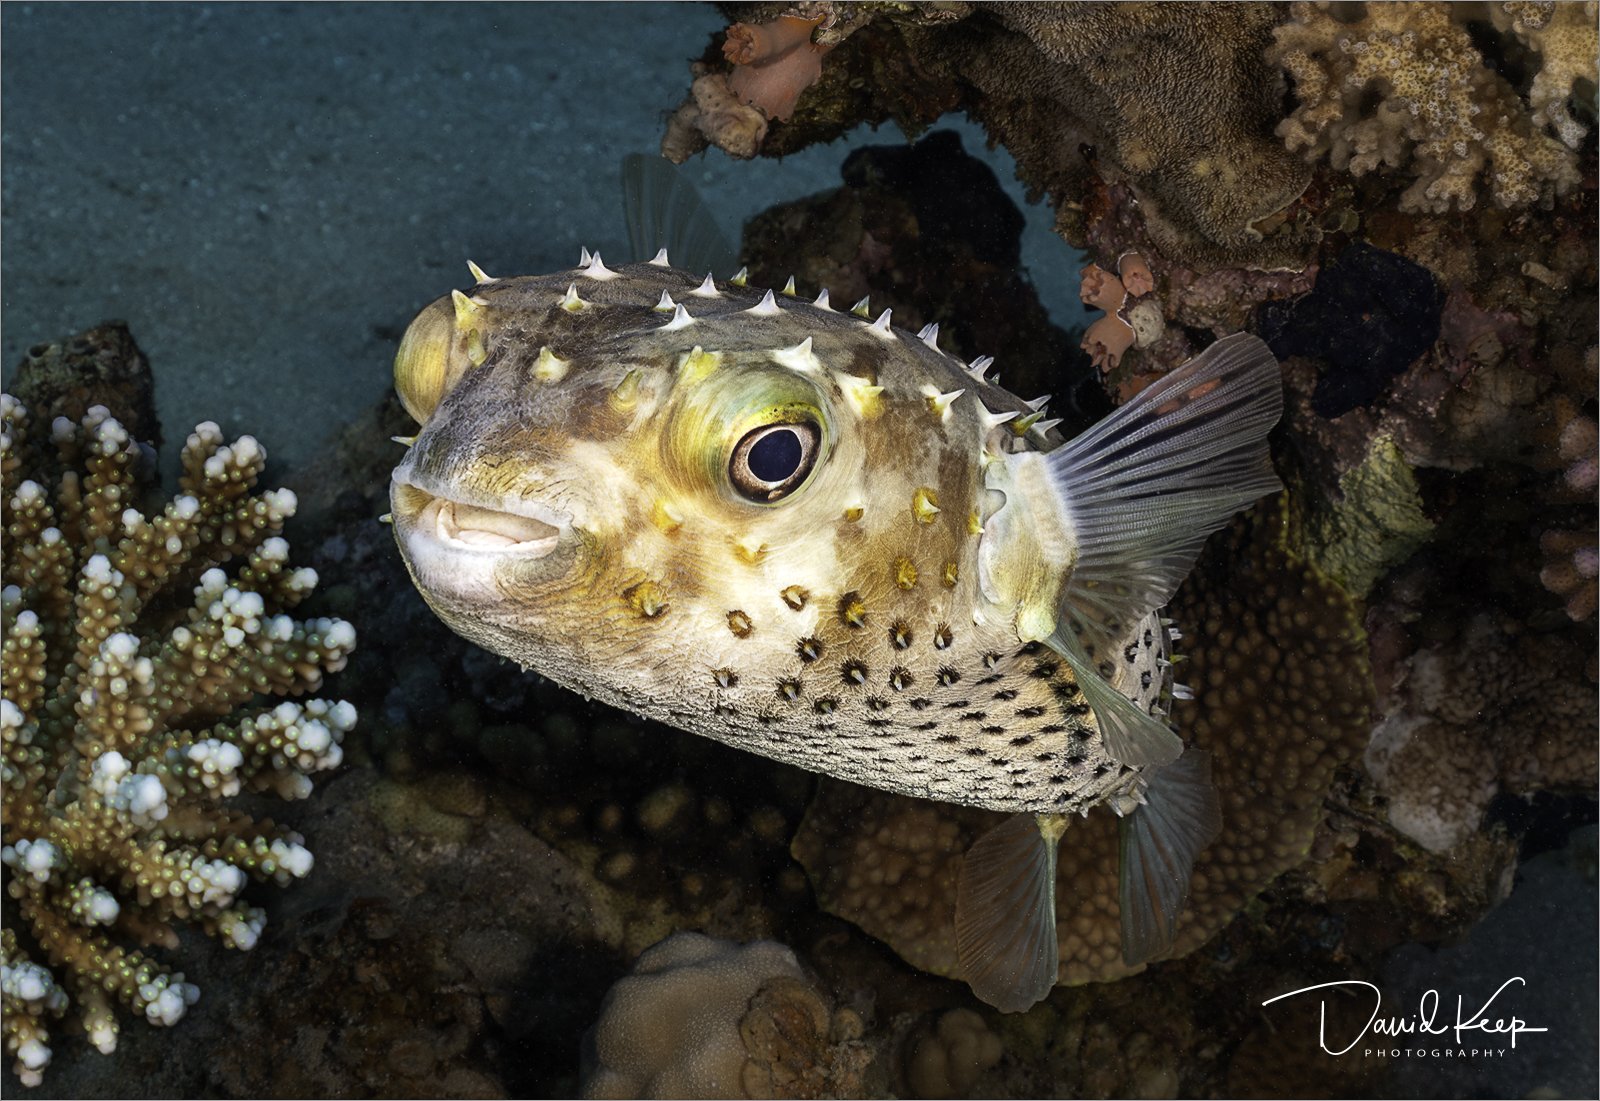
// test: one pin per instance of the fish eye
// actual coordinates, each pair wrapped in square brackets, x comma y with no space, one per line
[771,461]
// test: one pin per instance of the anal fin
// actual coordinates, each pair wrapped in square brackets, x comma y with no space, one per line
[1006,912]
[1160,841]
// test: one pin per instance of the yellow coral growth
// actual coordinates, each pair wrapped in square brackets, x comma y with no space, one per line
[1402,84]
[127,650]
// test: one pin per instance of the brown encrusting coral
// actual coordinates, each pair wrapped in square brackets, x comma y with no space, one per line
[131,660]
[1177,101]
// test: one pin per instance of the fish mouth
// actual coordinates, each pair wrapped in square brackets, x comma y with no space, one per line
[459,545]
[473,528]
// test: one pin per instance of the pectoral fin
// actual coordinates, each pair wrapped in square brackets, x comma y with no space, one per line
[1140,491]
[1006,912]
[1160,841]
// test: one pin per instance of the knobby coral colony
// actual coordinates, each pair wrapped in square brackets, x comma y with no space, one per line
[127,652]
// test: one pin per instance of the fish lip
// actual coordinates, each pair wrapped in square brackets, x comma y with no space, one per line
[475,524]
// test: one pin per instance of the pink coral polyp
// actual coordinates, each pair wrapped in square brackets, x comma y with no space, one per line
[1100,289]
[1106,340]
[773,63]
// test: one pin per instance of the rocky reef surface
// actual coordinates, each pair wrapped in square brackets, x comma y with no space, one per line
[519,893]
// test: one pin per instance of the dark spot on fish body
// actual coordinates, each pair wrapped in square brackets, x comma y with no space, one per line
[877,703]
[795,597]
[957,705]
[1029,712]
[1006,694]
[853,673]
[992,678]
[1025,739]
[993,731]
[1044,670]
[974,716]
[726,678]
[740,624]
[899,679]
[942,637]
[948,676]
[948,739]
[900,635]
[788,689]
[809,649]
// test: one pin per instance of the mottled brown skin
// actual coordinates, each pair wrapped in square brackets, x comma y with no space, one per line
[843,628]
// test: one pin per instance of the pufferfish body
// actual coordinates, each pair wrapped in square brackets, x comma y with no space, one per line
[806,533]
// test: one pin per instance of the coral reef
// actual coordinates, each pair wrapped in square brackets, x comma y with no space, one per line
[699,1017]
[1472,716]
[1404,86]
[1179,103]
[1571,563]
[950,1053]
[130,659]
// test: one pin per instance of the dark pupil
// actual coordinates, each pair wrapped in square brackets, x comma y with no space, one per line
[775,456]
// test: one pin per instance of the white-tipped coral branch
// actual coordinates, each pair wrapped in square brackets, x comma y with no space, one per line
[128,649]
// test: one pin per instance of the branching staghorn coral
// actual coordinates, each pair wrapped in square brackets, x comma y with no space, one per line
[128,652]
[1404,85]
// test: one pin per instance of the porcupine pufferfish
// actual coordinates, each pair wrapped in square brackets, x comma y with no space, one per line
[804,532]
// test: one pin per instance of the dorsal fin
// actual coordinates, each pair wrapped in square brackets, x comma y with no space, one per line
[663,210]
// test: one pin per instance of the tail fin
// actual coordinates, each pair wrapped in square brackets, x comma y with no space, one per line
[663,210]
[1160,841]
[1141,491]
[1006,912]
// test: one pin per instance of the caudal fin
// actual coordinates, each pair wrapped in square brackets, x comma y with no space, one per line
[1006,912]
[1141,491]
[1160,841]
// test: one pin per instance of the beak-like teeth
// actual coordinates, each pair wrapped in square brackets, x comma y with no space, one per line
[490,529]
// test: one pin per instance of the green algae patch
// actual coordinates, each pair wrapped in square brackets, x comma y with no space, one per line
[1377,524]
